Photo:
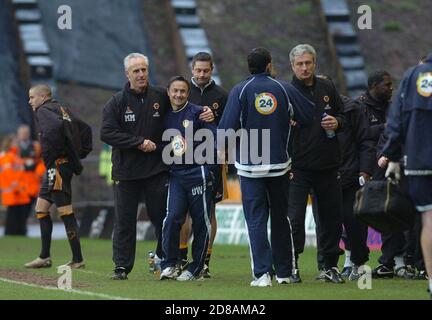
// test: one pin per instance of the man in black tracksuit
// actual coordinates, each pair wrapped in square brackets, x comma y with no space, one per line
[357,162]
[316,159]
[133,125]
[376,101]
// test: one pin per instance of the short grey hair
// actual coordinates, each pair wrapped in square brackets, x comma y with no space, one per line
[302,49]
[130,56]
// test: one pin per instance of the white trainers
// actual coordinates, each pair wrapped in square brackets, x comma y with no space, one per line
[283,280]
[39,263]
[168,273]
[263,281]
[186,276]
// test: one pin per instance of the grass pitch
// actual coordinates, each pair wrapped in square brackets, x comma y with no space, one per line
[230,267]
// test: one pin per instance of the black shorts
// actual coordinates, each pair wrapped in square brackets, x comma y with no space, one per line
[57,184]
[420,192]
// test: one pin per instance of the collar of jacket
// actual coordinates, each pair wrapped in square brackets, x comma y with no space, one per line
[128,89]
[373,103]
[210,83]
[262,74]
[429,58]
[47,102]
[300,83]
[259,75]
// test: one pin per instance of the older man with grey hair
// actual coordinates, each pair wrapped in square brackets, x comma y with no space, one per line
[316,158]
[133,124]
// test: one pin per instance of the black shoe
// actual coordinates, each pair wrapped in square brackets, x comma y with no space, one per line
[382,272]
[333,275]
[406,272]
[346,271]
[205,272]
[295,276]
[422,275]
[181,265]
[119,274]
[355,273]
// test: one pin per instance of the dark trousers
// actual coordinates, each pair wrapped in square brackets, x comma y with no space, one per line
[393,244]
[16,220]
[264,197]
[327,189]
[354,234]
[127,195]
[189,190]
[401,243]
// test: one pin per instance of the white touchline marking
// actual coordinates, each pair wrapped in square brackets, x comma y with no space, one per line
[86,293]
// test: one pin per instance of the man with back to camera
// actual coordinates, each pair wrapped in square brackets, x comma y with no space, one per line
[409,123]
[205,92]
[316,158]
[413,255]
[133,124]
[262,104]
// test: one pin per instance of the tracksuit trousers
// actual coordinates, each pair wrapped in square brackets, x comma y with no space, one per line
[264,197]
[327,189]
[355,235]
[127,195]
[190,189]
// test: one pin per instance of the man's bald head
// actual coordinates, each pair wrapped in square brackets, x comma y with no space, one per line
[38,94]
[42,89]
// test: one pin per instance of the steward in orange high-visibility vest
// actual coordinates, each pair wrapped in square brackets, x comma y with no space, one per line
[12,185]
[34,167]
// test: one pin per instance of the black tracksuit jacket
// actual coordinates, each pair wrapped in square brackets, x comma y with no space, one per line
[377,115]
[311,148]
[213,96]
[358,149]
[49,126]
[129,118]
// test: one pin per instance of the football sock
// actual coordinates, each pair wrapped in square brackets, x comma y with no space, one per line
[208,256]
[46,227]
[348,262]
[183,252]
[72,234]
[399,262]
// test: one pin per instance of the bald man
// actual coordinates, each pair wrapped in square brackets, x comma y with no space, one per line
[56,183]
